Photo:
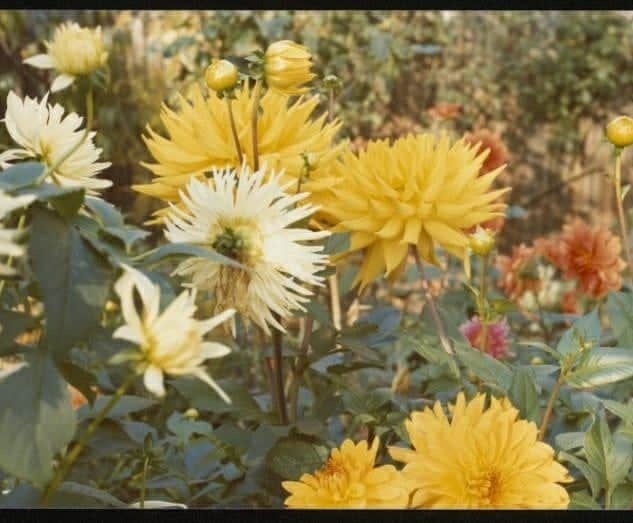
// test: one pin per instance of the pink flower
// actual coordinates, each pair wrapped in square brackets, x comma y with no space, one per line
[495,338]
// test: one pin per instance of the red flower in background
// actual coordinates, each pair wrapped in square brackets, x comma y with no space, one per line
[493,341]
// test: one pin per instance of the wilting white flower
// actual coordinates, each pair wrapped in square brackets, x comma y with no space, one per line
[8,247]
[171,342]
[74,51]
[44,134]
[248,220]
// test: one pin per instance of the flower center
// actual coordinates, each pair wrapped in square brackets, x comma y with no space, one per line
[239,240]
[333,478]
[485,487]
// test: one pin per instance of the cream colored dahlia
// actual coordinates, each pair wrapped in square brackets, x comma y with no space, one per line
[44,133]
[249,219]
[171,342]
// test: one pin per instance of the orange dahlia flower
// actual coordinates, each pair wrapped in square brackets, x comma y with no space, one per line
[518,272]
[589,255]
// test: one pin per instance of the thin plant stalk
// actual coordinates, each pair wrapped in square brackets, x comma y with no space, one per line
[482,303]
[439,325]
[550,406]
[236,141]
[69,459]
[621,217]
[256,96]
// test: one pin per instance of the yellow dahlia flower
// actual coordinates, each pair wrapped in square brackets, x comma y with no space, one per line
[287,67]
[482,458]
[74,51]
[169,342]
[200,139]
[350,479]
[249,220]
[419,191]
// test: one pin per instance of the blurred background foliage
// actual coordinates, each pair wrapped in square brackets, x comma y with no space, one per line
[545,81]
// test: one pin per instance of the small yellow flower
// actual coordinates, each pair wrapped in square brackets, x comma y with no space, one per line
[482,458]
[287,67]
[221,75]
[74,51]
[420,191]
[482,241]
[620,131]
[350,479]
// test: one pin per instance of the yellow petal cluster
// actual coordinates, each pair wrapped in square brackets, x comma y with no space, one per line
[481,458]
[200,139]
[350,479]
[77,50]
[419,191]
[287,67]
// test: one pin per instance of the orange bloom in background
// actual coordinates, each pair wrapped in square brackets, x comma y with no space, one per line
[76,398]
[518,272]
[486,139]
[569,303]
[497,156]
[445,110]
[589,255]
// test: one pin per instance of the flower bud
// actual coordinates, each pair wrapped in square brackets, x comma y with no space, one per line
[77,50]
[482,241]
[287,67]
[221,75]
[192,413]
[332,82]
[620,131]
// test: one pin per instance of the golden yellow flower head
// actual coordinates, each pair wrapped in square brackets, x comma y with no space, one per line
[482,458]
[350,479]
[419,191]
[287,67]
[221,75]
[200,139]
[482,241]
[620,131]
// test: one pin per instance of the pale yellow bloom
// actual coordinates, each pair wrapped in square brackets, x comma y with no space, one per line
[350,479]
[287,67]
[221,75]
[620,131]
[420,191]
[74,51]
[170,342]
[250,220]
[200,139]
[481,458]
[44,133]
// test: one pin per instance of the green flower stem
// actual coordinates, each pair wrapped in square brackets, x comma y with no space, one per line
[619,197]
[229,106]
[482,303]
[441,331]
[70,457]
[89,119]
[256,96]
[10,259]
[300,366]
[550,405]
[143,480]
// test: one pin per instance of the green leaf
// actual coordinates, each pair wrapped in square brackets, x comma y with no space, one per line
[319,312]
[584,330]
[73,280]
[20,175]
[583,501]
[524,395]
[12,324]
[69,203]
[611,461]
[484,366]
[435,353]
[36,418]
[127,404]
[106,498]
[290,457]
[590,473]
[79,378]
[185,249]
[337,243]
[621,410]
[570,440]
[112,222]
[602,366]
[620,311]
